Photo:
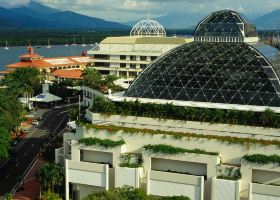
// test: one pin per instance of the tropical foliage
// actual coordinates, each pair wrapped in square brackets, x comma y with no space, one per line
[23,81]
[170,111]
[107,143]
[168,149]
[11,115]
[128,193]
[50,196]
[131,160]
[178,135]
[49,176]
[93,79]
[262,159]
[230,173]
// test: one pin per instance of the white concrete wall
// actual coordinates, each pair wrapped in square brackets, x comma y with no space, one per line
[225,189]
[97,157]
[128,176]
[264,192]
[173,184]
[197,169]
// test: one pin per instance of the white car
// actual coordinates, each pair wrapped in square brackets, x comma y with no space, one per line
[35,122]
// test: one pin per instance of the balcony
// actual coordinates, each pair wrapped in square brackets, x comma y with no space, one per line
[91,174]
[175,184]
[262,191]
[225,189]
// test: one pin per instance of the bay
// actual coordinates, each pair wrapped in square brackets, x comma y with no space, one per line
[12,54]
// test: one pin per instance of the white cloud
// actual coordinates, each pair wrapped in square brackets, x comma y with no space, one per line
[125,10]
[13,3]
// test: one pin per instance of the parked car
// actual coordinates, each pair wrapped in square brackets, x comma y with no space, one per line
[35,122]
[40,118]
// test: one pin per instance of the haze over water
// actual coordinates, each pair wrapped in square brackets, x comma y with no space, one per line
[12,55]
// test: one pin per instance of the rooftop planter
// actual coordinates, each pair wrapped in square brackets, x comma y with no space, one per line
[169,111]
[107,143]
[131,160]
[168,149]
[262,159]
[177,135]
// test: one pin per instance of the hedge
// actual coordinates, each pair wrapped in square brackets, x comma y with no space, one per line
[107,143]
[168,149]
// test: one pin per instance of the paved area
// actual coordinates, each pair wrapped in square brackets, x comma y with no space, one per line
[31,188]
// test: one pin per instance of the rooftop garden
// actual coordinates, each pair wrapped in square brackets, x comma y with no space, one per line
[107,143]
[230,173]
[131,160]
[262,159]
[178,135]
[170,111]
[168,149]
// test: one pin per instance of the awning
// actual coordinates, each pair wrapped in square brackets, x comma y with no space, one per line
[46,98]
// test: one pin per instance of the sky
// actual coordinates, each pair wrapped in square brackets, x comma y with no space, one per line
[128,10]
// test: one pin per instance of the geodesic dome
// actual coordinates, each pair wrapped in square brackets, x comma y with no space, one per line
[148,28]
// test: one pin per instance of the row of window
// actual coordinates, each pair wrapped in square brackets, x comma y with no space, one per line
[219,39]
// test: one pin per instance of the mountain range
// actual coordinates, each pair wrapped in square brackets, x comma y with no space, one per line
[38,16]
[190,20]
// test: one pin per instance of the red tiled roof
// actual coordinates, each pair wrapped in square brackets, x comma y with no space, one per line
[53,62]
[71,74]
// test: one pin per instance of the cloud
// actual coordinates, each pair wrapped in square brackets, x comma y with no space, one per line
[125,10]
[13,3]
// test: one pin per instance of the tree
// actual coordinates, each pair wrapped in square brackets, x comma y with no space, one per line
[49,176]
[23,81]
[128,193]
[92,78]
[4,143]
[50,196]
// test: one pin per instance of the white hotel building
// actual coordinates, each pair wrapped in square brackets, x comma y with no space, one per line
[127,56]
[222,73]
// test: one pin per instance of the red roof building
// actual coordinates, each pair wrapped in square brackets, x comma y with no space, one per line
[49,65]
[68,74]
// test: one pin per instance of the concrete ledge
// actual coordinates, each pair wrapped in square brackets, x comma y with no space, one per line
[86,166]
[174,177]
[270,190]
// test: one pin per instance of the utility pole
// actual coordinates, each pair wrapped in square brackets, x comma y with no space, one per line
[79,106]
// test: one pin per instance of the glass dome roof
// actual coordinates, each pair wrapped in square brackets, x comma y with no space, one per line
[231,73]
[225,23]
[148,28]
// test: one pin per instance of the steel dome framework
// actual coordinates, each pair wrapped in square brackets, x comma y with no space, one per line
[148,28]
[231,73]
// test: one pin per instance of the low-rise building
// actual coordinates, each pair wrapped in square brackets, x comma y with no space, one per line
[49,65]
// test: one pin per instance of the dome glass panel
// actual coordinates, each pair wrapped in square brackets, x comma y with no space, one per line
[231,73]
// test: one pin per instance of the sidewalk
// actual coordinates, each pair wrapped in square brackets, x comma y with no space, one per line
[31,187]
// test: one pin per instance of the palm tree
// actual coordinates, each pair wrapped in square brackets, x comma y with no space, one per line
[50,175]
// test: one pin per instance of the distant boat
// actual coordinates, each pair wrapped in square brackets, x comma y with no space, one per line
[66,45]
[49,46]
[84,45]
[6,47]
[74,43]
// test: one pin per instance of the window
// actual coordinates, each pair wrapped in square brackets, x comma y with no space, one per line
[143,58]
[123,65]
[122,57]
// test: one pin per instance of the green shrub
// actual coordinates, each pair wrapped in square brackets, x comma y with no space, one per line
[170,111]
[262,159]
[107,143]
[168,149]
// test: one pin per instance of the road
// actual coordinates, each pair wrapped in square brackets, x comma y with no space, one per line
[53,122]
